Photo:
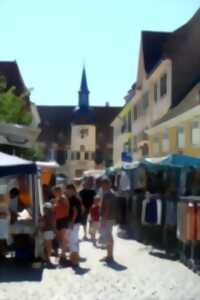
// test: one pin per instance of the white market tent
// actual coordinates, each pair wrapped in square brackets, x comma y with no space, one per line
[13,165]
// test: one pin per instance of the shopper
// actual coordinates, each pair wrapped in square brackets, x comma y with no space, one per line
[48,224]
[87,196]
[94,218]
[108,212]
[61,210]
[75,221]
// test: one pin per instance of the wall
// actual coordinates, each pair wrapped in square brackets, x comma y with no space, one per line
[156,110]
[189,149]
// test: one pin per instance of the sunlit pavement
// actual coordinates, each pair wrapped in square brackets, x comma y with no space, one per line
[136,274]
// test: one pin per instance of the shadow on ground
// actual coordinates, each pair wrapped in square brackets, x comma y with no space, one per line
[77,270]
[18,272]
[163,255]
[116,266]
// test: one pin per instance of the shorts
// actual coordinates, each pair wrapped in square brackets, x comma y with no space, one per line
[48,235]
[4,229]
[94,227]
[74,238]
[62,223]
[106,228]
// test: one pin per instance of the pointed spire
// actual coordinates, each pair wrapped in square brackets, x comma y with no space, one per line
[84,92]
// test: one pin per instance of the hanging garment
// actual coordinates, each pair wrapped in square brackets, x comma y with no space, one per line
[198,222]
[124,184]
[131,174]
[144,205]
[117,182]
[140,178]
[171,213]
[189,181]
[152,211]
[180,220]
[182,182]
[190,233]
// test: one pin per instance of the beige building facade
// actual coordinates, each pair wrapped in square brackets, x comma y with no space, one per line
[168,70]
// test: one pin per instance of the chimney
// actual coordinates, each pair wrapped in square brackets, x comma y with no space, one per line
[107,104]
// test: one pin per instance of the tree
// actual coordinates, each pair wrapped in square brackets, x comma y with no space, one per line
[15,109]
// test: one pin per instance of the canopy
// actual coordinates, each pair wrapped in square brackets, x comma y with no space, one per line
[94,173]
[177,160]
[47,164]
[13,165]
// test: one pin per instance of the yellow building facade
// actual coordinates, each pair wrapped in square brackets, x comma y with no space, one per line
[179,130]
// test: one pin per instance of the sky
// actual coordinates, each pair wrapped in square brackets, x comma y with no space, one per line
[51,39]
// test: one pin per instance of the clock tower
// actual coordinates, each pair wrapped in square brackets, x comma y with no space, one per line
[83,133]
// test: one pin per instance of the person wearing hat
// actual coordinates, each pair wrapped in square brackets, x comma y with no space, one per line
[48,225]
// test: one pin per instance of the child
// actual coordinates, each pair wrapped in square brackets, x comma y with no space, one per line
[48,228]
[94,218]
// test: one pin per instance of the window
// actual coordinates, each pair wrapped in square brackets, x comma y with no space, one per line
[165,142]
[129,121]
[180,137]
[163,85]
[156,146]
[124,125]
[195,134]
[135,112]
[72,155]
[78,155]
[84,132]
[127,146]
[155,92]
[86,155]
[82,148]
[145,102]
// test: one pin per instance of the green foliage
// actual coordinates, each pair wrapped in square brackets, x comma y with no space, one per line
[26,153]
[13,108]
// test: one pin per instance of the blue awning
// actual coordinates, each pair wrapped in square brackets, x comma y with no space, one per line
[180,160]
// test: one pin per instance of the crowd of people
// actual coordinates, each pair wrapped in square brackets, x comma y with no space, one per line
[66,209]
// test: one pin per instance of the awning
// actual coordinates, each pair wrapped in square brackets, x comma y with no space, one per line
[177,160]
[12,165]
[47,164]
[94,173]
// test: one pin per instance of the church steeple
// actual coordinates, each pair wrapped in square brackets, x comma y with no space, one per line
[84,92]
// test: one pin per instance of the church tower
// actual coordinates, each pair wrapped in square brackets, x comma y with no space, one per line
[83,132]
[84,92]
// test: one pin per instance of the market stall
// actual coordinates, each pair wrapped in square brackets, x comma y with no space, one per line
[149,194]
[19,206]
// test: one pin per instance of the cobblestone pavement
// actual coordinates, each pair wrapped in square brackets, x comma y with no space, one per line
[135,275]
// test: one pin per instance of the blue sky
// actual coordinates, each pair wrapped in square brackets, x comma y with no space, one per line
[50,39]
